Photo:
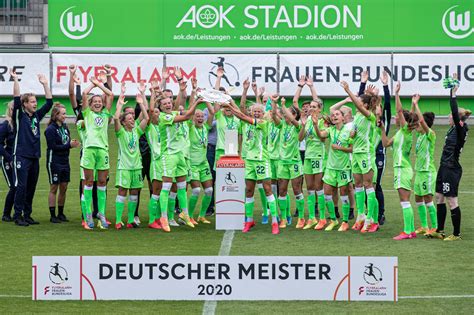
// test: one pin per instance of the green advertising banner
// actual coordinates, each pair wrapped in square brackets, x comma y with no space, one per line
[304,25]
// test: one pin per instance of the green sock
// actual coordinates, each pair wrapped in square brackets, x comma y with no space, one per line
[360,200]
[331,210]
[433,217]
[88,200]
[153,209]
[206,201]
[183,199]
[311,204]
[164,196]
[300,206]
[423,214]
[119,205]
[371,199]
[272,205]
[283,204]
[345,211]
[83,207]
[321,206]
[249,205]
[408,225]
[288,205]
[101,199]
[375,215]
[192,204]
[171,205]
[132,206]
[263,197]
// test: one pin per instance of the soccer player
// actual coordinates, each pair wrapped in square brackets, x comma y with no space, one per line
[200,170]
[173,158]
[338,168]
[425,171]
[27,147]
[402,169]
[225,121]
[314,163]
[58,139]
[362,167]
[450,170]
[95,155]
[7,140]
[257,166]
[290,167]
[129,165]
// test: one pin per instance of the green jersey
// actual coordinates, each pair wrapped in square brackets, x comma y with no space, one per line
[81,132]
[243,153]
[289,143]
[129,157]
[152,133]
[315,148]
[424,149]
[337,159]
[274,141]
[376,137]
[96,125]
[198,148]
[224,123]
[255,139]
[364,127]
[172,134]
[402,142]
[187,145]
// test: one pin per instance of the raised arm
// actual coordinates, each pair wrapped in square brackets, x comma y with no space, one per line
[118,112]
[258,100]
[386,142]
[357,102]
[210,113]
[108,73]
[109,96]
[219,75]
[71,86]
[141,100]
[387,108]
[235,110]
[47,94]
[302,132]
[414,100]
[453,103]
[286,112]
[301,83]
[364,77]
[243,99]
[322,134]
[398,106]
[189,113]
[274,98]
[312,88]
[339,104]
[16,84]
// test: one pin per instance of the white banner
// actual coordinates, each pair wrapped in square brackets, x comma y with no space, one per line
[328,70]
[27,66]
[130,69]
[262,68]
[215,278]
[424,73]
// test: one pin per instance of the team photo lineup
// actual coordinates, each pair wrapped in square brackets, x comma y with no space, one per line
[170,141]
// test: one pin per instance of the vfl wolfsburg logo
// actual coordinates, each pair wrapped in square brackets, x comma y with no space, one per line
[457,26]
[99,121]
[287,136]
[273,135]
[250,134]
[76,26]
[132,144]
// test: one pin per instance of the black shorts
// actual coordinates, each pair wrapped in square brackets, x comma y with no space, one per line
[447,181]
[58,174]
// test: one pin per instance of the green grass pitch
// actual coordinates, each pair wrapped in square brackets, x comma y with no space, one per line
[426,267]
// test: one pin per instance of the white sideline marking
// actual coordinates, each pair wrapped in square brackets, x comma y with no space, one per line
[14,296]
[209,307]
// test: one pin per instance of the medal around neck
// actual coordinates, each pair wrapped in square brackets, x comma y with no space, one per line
[213,96]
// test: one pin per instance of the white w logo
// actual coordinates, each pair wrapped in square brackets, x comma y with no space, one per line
[457,22]
[76,23]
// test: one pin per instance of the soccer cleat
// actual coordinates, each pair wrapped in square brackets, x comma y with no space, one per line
[435,234]
[310,224]
[358,226]
[321,224]
[101,226]
[155,225]
[453,237]
[103,221]
[402,236]
[186,219]
[365,228]
[283,224]
[86,227]
[412,235]
[421,230]
[344,227]
[7,218]
[136,219]
[203,220]
[264,219]
[118,225]
[164,224]
[374,227]
[289,219]
[83,223]
[132,225]
[90,221]
[275,228]
[332,225]
[247,226]
[173,222]
[300,224]
[193,221]
[54,220]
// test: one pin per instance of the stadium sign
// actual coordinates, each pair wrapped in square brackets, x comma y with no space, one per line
[215,278]
[261,25]
[27,66]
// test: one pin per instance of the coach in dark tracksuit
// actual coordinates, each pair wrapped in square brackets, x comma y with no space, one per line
[7,138]
[27,148]
[58,139]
